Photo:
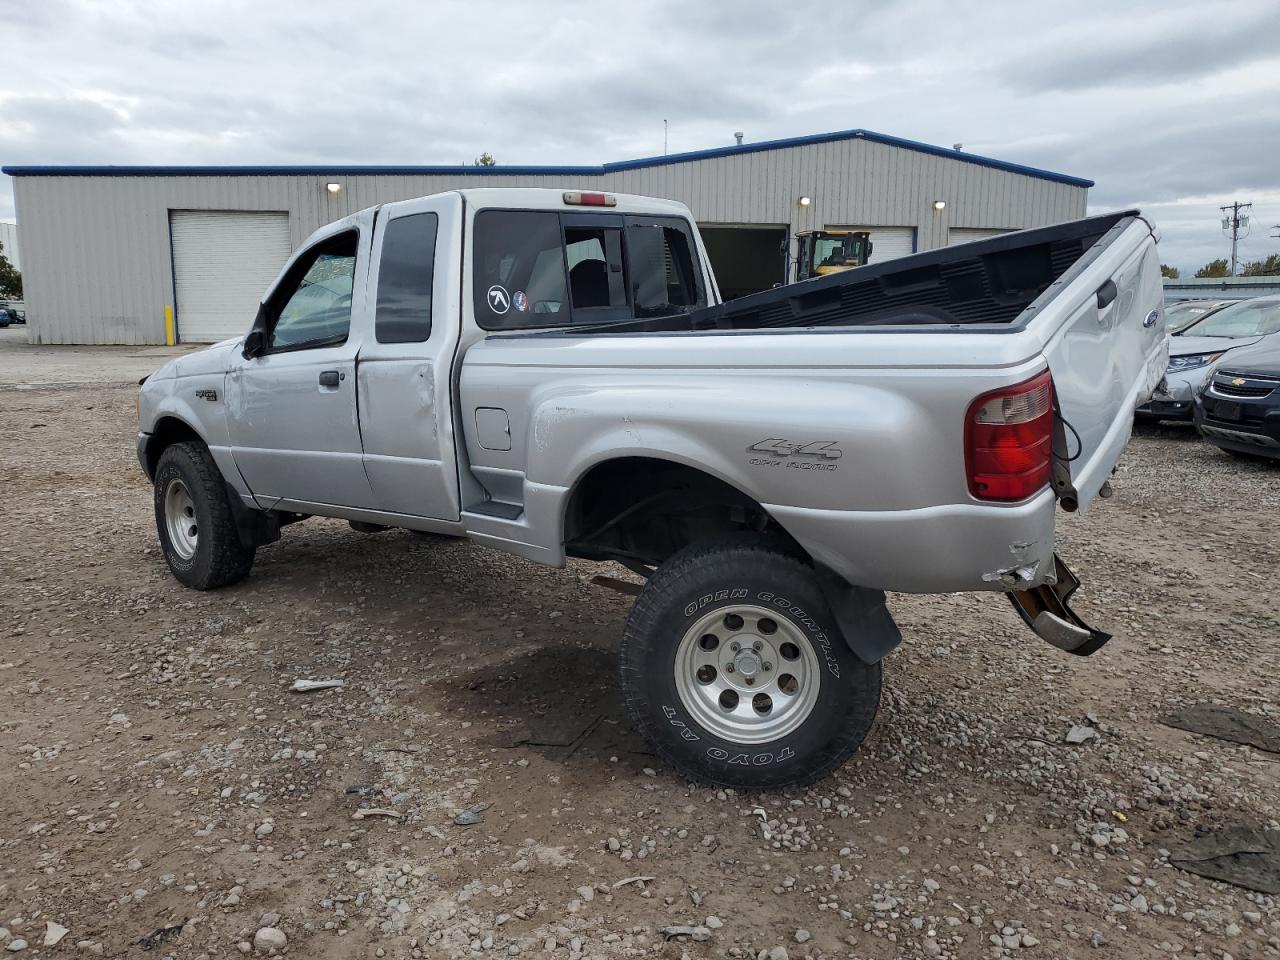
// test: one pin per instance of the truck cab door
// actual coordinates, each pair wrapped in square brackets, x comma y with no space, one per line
[405,369]
[291,404]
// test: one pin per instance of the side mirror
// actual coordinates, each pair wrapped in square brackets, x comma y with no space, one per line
[254,344]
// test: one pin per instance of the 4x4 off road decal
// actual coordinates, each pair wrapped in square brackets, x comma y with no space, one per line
[814,455]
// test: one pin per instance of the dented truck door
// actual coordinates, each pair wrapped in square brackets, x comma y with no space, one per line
[404,368]
[1105,341]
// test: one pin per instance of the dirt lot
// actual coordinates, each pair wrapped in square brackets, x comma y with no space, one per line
[160,780]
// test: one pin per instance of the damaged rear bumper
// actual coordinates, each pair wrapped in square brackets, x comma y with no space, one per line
[1044,609]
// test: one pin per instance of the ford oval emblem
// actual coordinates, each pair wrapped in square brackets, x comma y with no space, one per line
[1151,319]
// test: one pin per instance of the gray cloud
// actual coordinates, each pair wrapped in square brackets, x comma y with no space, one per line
[1162,52]
[1159,102]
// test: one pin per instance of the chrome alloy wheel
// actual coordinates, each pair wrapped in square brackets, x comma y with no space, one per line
[180,519]
[747,674]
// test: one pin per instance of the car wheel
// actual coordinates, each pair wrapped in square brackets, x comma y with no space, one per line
[194,520]
[734,669]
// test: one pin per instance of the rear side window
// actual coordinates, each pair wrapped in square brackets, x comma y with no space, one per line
[403,313]
[545,269]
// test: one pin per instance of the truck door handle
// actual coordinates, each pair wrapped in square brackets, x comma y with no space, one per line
[329,378]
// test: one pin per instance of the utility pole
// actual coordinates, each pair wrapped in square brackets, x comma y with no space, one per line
[664,138]
[1235,223]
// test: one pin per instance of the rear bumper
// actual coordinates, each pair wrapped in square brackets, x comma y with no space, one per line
[943,549]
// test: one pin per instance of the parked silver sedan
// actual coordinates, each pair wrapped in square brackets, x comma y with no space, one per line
[1205,341]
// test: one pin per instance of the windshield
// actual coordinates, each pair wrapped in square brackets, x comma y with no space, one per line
[837,251]
[1179,316]
[1249,318]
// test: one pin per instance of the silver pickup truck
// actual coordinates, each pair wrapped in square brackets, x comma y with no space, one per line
[553,374]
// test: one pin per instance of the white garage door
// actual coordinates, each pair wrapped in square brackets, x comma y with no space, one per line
[887,242]
[965,234]
[223,261]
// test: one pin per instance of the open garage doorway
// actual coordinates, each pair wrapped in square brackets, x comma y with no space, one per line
[746,258]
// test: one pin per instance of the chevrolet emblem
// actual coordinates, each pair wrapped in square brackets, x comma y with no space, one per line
[1238,382]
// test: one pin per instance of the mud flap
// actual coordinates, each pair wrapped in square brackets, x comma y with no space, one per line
[1045,611]
[861,614]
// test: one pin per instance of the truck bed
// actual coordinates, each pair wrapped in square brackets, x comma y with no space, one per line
[987,284]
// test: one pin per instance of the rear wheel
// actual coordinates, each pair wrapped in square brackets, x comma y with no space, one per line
[194,520]
[734,669]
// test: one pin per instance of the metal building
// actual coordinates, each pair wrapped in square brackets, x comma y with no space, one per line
[1220,288]
[111,252]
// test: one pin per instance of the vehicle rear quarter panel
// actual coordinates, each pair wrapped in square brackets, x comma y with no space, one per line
[892,509]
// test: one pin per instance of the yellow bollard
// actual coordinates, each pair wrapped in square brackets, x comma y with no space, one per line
[170,333]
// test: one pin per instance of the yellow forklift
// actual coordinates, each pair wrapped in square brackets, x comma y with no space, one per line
[820,252]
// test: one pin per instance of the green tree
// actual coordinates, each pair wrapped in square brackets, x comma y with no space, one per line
[1269,267]
[1168,271]
[1214,268]
[10,278]
[486,160]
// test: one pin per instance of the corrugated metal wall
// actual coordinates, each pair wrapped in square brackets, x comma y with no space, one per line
[99,268]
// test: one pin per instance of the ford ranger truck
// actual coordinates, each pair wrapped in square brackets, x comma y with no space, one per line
[552,373]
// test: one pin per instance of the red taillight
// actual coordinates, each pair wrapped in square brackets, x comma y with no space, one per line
[1008,440]
[574,198]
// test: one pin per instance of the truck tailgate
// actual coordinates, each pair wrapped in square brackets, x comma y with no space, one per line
[1104,337]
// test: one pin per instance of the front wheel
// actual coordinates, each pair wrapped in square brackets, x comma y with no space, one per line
[194,520]
[734,669]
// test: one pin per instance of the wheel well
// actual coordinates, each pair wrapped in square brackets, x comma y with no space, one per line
[643,510]
[168,431]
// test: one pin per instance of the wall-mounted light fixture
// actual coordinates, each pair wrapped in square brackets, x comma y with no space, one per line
[333,187]
[939,205]
[805,201]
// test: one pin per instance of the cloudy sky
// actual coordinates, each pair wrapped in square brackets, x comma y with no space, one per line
[1170,106]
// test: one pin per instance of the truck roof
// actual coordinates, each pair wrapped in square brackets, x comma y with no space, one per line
[543,198]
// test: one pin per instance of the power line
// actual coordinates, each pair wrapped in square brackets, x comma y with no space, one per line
[1235,225]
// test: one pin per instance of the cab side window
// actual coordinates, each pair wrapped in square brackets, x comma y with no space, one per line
[316,310]
[405,272]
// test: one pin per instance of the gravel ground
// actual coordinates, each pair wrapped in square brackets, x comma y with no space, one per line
[163,790]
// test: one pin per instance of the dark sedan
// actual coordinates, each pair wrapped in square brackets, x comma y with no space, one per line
[1238,408]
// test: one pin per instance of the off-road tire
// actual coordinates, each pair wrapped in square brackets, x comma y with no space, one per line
[220,557]
[752,571]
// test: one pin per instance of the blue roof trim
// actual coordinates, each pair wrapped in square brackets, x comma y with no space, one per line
[535,170]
